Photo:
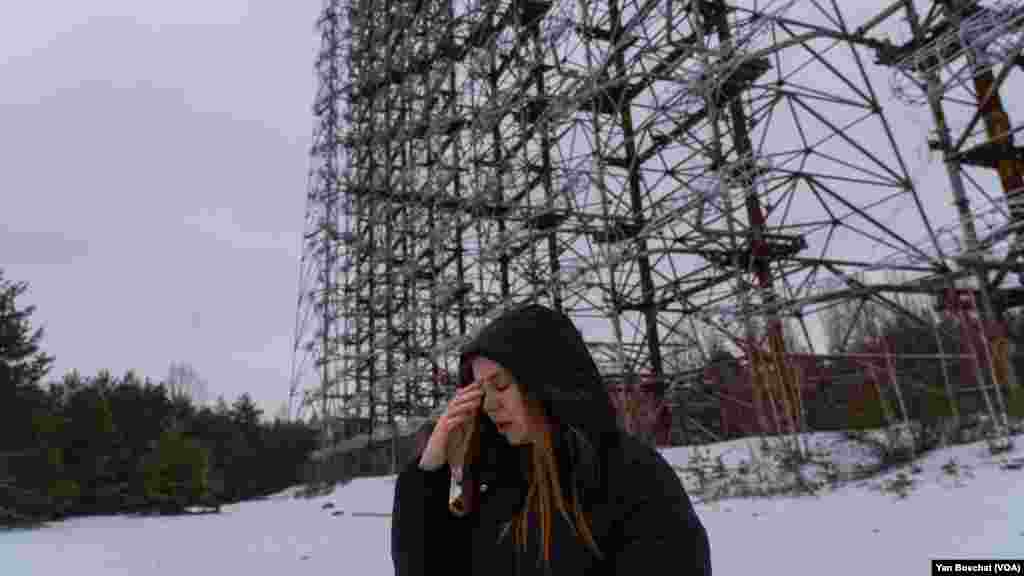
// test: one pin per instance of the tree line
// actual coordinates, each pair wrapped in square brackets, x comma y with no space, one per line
[86,445]
[927,340]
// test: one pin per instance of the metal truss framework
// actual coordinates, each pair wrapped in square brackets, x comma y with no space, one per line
[658,169]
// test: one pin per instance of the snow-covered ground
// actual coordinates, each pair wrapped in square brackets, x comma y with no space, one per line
[961,502]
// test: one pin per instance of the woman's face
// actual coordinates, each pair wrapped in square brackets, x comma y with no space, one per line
[504,402]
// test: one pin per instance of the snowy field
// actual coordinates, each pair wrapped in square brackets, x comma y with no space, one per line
[960,502]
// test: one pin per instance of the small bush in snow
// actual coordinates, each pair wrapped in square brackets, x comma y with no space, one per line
[314,490]
[951,467]
[957,472]
[1014,464]
[999,445]
[900,485]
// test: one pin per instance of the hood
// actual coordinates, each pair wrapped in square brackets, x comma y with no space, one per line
[546,354]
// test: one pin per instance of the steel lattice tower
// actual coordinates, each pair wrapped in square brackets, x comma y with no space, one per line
[657,169]
[956,58]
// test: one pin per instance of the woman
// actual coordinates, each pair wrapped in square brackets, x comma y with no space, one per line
[550,484]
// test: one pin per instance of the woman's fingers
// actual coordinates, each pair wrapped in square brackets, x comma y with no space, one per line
[463,409]
[465,404]
[462,413]
[449,430]
[455,423]
[471,398]
[472,390]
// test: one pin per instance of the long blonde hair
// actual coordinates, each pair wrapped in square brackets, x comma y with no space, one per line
[544,495]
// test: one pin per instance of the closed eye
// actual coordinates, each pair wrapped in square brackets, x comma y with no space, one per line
[502,381]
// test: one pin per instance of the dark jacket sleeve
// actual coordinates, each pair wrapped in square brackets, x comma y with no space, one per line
[659,527]
[424,533]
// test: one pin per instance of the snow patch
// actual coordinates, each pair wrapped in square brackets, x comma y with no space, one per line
[956,502]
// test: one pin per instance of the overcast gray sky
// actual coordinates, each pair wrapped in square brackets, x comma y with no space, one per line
[154,159]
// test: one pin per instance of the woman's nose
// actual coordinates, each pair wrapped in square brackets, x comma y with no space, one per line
[490,403]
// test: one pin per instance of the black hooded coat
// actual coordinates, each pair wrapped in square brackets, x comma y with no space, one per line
[640,515]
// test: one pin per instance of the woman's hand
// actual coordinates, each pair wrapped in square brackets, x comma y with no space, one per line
[450,432]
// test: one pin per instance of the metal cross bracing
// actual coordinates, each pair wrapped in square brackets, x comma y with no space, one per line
[957,58]
[657,169]
[320,314]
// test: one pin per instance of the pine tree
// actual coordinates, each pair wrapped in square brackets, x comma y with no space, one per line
[26,414]
[245,413]
[22,363]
